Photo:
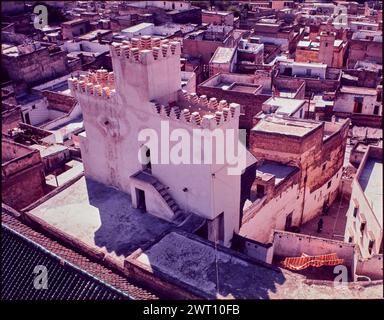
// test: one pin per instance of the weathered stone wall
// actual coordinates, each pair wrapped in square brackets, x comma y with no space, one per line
[23,188]
[36,67]
[22,175]
[366,78]
[284,147]
[250,103]
[364,50]
[290,84]
[203,48]
[303,55]
[11,150]
[59,101]
[317,85]
[10,119]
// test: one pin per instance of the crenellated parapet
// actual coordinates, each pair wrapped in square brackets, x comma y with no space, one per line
[145,50]
[99,84]
[202,102]
[199,111]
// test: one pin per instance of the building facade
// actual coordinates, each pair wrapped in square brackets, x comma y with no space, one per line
[298,172]
[144,92]
[365,214]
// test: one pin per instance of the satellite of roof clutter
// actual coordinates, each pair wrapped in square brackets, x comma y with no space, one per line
[191,150]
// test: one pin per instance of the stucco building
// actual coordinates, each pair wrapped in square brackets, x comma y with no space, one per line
[365,46]
[32,63]
[22,175]
[358,100]
[298,171]
[327,50]
[118,106]
[365,214]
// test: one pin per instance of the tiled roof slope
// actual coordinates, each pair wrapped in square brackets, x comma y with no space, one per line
[77,278]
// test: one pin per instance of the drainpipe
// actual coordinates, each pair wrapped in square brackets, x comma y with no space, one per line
[309,106]
[303,203]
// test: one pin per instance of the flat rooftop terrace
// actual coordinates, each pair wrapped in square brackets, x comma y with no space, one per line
[193,263]
[371,182]
[285,105]
[278,170]
[284,126]
[100,217]
[223,55]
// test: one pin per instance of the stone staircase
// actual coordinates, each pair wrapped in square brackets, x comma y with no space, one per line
[179,214]
[162,190]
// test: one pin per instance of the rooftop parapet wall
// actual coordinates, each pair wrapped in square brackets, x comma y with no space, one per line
[199,111]
[145,50]
[100,84]
[146,69]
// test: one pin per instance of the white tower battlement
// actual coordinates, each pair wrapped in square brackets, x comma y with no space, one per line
[145,50]
[147,68]
[98,84]
[199,112]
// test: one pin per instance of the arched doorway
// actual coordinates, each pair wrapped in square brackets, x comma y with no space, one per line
[146,159]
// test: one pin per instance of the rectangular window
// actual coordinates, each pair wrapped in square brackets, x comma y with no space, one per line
[370,246]
[260,191]
[376,110]
[362,227]
[358,107]
[355,211]
[220,227]
[288,222]
[350,239]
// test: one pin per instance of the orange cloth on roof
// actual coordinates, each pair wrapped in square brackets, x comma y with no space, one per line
[305,261]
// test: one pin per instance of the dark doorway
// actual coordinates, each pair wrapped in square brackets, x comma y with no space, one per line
[27,118]
[203,231]
[260,191]
[288,71]
[358,106]
[288,222]
[146,158]
[326,205]
[140,196]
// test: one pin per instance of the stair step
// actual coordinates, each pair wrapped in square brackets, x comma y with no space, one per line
[171,202]
[167,197]
[159,187]
[163,192]
[174,207]
[179,212]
